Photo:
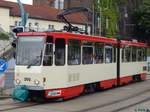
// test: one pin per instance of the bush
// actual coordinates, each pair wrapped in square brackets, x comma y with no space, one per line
[148,52]
[4,36]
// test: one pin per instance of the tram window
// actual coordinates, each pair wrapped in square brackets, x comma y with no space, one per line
[99,53]
[108,54]
[87,43]
[145,54]
[60,52]
[140,54]
[127,57]
[123,53]
[48,56]
[134,53]
[74,52]
[87,55]
[114,53]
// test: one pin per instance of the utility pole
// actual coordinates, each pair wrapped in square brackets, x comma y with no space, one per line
[93,20]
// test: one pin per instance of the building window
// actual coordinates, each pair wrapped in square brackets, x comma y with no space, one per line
[16,23]
[30,24]
[59,4]
[50,26]
[36,24]
[19,23]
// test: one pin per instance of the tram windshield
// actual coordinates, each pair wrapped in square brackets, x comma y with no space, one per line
[29,51]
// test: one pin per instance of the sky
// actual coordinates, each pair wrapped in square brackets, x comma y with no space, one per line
[23,1]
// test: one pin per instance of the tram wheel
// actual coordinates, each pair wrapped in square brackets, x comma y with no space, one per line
[91,88]
[136,78]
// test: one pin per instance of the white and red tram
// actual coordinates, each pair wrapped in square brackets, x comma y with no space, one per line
[65,65]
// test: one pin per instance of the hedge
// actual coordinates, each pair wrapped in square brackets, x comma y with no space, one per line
[4,36]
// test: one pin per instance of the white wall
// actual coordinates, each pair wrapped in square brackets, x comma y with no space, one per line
[4,18]
[42,24]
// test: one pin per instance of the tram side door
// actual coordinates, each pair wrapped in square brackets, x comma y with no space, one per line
[60,52]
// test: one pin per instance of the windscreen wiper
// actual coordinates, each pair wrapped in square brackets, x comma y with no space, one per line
[34,62]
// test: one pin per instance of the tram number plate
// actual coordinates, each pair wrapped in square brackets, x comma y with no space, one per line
[27,79]
[54,93]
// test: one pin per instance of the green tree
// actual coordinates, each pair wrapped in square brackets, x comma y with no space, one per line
[108,13]
[142,18]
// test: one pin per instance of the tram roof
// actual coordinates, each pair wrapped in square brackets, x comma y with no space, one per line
[68,35]
[131,43]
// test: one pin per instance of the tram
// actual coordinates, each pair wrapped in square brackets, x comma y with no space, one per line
[64,65]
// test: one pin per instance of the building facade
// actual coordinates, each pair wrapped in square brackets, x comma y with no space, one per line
[64,4]
[40,18]
[126,22]
[59,4]
[4,18]
[43,2]
[78,3]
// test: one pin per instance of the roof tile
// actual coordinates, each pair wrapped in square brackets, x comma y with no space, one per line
[43,12]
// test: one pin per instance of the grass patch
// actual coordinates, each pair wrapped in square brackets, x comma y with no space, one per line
[4,36]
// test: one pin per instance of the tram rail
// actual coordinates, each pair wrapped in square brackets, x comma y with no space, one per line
[18,105]
[119,101]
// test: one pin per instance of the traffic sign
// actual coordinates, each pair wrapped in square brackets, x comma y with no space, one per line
[3,66]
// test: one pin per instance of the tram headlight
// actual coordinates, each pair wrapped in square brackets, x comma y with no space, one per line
[36,82]
[18,81]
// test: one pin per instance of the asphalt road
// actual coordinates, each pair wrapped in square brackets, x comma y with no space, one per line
[130,98]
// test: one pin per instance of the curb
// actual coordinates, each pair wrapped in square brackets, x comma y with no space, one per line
[4,97]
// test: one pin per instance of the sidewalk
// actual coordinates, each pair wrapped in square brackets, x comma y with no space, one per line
[8,84]
[5,93]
